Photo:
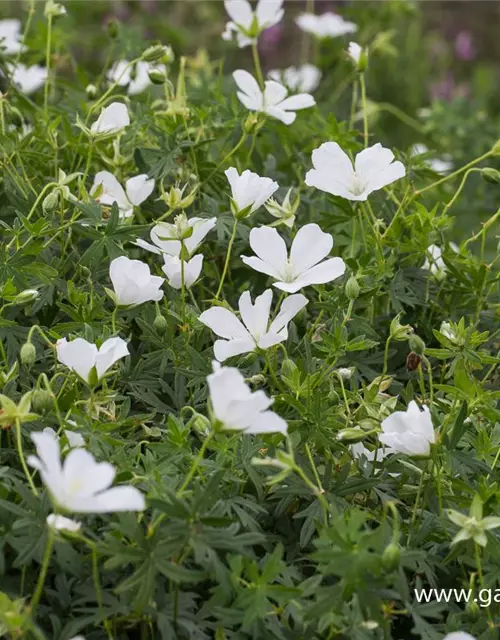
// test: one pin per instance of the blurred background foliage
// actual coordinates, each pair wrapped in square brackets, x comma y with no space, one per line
[433,76]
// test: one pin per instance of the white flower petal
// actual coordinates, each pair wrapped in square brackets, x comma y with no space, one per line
[139,188]
[110,352]
[224,323]
[309,247]
[78,355]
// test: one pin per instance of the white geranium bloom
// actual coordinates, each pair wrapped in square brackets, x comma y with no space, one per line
[60,523]
[439,165]
[10,36]
[248,24]
[137,189]
[173,270]
[459,635]
[410,432]
[358,449]
[82,357]
[133,282]
[74,439]
[236,408]
[434,261]
[303,267]
[112,119]
[28,79]
[253,331]
[81,484]
[249,191]
[167,237]
[273,100]
[326,25]
[334,172]
[304,79]
[354,51]
[136,77]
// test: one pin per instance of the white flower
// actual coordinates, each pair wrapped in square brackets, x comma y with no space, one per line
[28,79]
[334,172]
[60,523]
[304,79]
[136,77]
[273,100]
[112,119]
[358,449]
[10,36]
[441,165]
[167,237]
[253,331]
[74,439]
[354,51]
[173,270]
[459,635]
[137,189]
[434,261]
[133,282]
[326,25]
[409,431]
[81,484]
[237,408]
[303,267]
[346,373]
[249,24]
[82,357]
[249,191]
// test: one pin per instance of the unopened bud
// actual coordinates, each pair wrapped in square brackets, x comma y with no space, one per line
[416,344]
[352,288]
[41,401]
[91,91]
[353,435]
[160,324]
[251,122]
[112,29]
[200,424]
[391,556]
[28,353]
[28,295]
[157,53]
[491,175]
[157,76]
[50,202]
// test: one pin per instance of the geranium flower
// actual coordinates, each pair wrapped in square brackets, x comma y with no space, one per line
[303,266]
[236,408]
[173,270]
[326,25]
[441,165]
[410,432]
[137,77]
[167,237]
[358,449]
[133,283]
[334,172]
[74,439]
[253,331]
[137,189]
[112,119]
[248,24]
[305,78]
[10,36]
[434,261]
[273,100]
[80,484]
[248,191]
[86,360]
[27,79]
[60,523]
[459,635]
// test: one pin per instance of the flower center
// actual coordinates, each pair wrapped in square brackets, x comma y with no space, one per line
[357,185]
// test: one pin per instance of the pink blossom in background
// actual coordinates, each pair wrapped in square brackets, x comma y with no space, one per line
[270,39]
[465,48]
[448,89]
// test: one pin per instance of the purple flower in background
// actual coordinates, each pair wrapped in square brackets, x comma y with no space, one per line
[443,89]
[465,48]
[270,39]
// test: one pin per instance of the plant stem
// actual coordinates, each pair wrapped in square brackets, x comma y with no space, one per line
[183,284]
[386,355]
[354,101]
[228,257]
[43,571]
[363,103]
[460,188]
[19,446]
[47,63]
[113,319]
[195,465]
[485,228]
[455,173]
[256,62]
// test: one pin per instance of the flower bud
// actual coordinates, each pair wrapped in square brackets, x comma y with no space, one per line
[251,122]
[41,401]
[346,373]
[200,424]
[28,295]
[258,379]
[391,556]
[54,9]
[416,344]
[400,331]
[157,76]
[91,91]
[160,324]
[112,29]
[491,175]
[50,202]
[158,52]
[352,288]
[353,435]
[28,353]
